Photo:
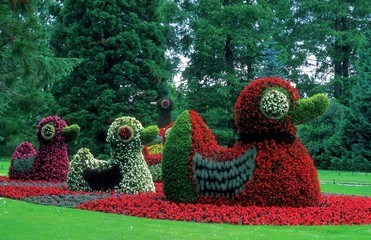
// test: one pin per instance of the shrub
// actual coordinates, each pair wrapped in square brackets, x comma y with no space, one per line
[156,172]
[178,186]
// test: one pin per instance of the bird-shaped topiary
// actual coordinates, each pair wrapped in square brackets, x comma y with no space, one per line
[50,161]
[164,105]
[125,171]
[268,166]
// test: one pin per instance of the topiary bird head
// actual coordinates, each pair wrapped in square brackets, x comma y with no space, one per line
[270,108]
[128,133]
[164,105]
[54,129]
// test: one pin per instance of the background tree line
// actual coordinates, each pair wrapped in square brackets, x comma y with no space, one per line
[92,61]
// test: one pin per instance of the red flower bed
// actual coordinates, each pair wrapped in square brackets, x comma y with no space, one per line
[18,192]
[333,210]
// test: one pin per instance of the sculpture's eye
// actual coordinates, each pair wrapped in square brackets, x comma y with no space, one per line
[274,104]
[48,131]
[125,133]
[165,103]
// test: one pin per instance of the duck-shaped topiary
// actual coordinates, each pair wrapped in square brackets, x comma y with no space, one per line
[268,166]
[164,105]
[50,161]
[125,171]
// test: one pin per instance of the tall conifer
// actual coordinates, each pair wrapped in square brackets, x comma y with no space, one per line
[124,67]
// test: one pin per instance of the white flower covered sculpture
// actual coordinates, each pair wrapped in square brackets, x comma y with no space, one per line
[126,170]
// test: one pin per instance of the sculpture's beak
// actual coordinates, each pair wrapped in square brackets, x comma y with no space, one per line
[148,134]
[70,133]
[310,108]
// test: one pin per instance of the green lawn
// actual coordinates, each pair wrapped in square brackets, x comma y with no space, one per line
[344,177]
[354,183]
[21,220]
[4,165]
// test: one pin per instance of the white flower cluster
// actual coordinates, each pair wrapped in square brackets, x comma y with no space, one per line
[274,104]
[81,161]
[125,154]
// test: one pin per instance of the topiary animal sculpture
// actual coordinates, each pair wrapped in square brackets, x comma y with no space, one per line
[126,170]
[164,105]
[50,161]
[268,166]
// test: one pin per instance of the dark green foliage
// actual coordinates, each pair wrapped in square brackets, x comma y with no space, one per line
[355,138]
[338,140]
[310,108]
[361,93]
[220,38]
[71,132]
[124,68]
[269,63]
[341,138]
[156,172]
[148,134]
[329,33]
[22,165]
[223,178]
[321,136]
[28,68]
[178,186]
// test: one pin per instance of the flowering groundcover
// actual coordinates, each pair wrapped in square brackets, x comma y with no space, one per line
[333,209]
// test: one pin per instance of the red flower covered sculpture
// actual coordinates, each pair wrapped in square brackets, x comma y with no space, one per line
[268,166]
[50,161]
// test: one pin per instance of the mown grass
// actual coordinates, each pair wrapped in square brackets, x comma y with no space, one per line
[353,183]
[4,165]
[21,220]
[344,177]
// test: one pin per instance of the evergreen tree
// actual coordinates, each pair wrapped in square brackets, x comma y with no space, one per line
[356,126]
[361,93]
[341,138]
[220,38]
[322,136]
[124,68]
[27,69]
[269,64]
[329,33]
